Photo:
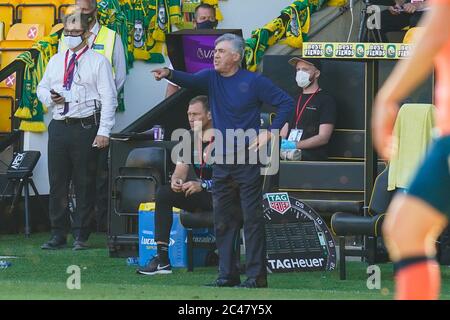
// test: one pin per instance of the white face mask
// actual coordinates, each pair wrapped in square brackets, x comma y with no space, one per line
[302,79]
[73,41]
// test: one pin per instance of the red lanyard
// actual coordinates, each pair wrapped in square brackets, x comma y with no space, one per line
[95,38]
[66,74]
[298,114]
[200,155]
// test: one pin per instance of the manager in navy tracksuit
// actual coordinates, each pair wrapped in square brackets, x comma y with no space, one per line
[236,96]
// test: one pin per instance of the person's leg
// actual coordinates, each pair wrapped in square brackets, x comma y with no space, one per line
[414,222]
[59,171]
[415,18]
[411,229]
[101,190]
[166,199]
[250,183]
[85,164]
[227,223]
[390,22]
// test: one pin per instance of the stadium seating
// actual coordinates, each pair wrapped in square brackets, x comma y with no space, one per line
[6,17]
[56,28]
[38,11]
[20,38]
[26,31]
[6,109]
[62,9]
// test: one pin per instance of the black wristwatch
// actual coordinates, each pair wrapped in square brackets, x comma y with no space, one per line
[169,76]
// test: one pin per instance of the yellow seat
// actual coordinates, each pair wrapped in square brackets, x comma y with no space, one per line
[10,49]
[23,31]
[7,96]
[65,7]
[411,34]
[56,28]
[2,30]
[6,16]
[38,11]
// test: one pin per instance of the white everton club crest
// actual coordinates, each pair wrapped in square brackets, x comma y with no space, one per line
[279,202]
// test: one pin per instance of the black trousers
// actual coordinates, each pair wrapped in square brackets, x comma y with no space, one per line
[101,190]
[242,183]
[166,198]
[390,22]
[71,156]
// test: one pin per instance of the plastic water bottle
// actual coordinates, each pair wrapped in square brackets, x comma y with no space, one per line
[5,264]
[158,133]
[132,261]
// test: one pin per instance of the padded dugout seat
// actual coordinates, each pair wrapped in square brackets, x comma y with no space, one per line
[347,224]
[327,186]
[196,220]
[138,179]
[346,144]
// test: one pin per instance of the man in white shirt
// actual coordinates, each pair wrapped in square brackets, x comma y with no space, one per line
[107,42]
[78,86]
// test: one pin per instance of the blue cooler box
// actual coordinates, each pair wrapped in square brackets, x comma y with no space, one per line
[177,242]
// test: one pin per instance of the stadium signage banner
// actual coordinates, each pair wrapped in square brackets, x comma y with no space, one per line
[337,50]
[297,238]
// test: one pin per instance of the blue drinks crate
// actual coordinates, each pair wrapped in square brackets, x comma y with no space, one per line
[178,239]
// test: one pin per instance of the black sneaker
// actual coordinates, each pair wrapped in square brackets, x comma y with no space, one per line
[54,243]
[155,266]
[220,282]
[253,283]
[80,245]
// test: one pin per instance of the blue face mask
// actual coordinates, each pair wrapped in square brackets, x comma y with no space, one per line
[208,24]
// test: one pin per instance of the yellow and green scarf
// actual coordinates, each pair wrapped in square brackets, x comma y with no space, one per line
[291,28]
[31,110]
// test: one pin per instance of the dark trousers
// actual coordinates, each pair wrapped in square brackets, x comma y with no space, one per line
[241,183]
[101,190]
[71,156]
[166,198]
[390,22]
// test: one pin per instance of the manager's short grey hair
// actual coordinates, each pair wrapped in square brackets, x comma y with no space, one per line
[237,42]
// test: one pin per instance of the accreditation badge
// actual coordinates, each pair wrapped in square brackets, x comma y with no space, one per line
[295,135]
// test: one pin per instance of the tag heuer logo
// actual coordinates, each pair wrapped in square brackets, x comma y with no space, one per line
[279,202]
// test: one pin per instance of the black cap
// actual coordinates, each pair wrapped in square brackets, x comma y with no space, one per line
[315,62]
